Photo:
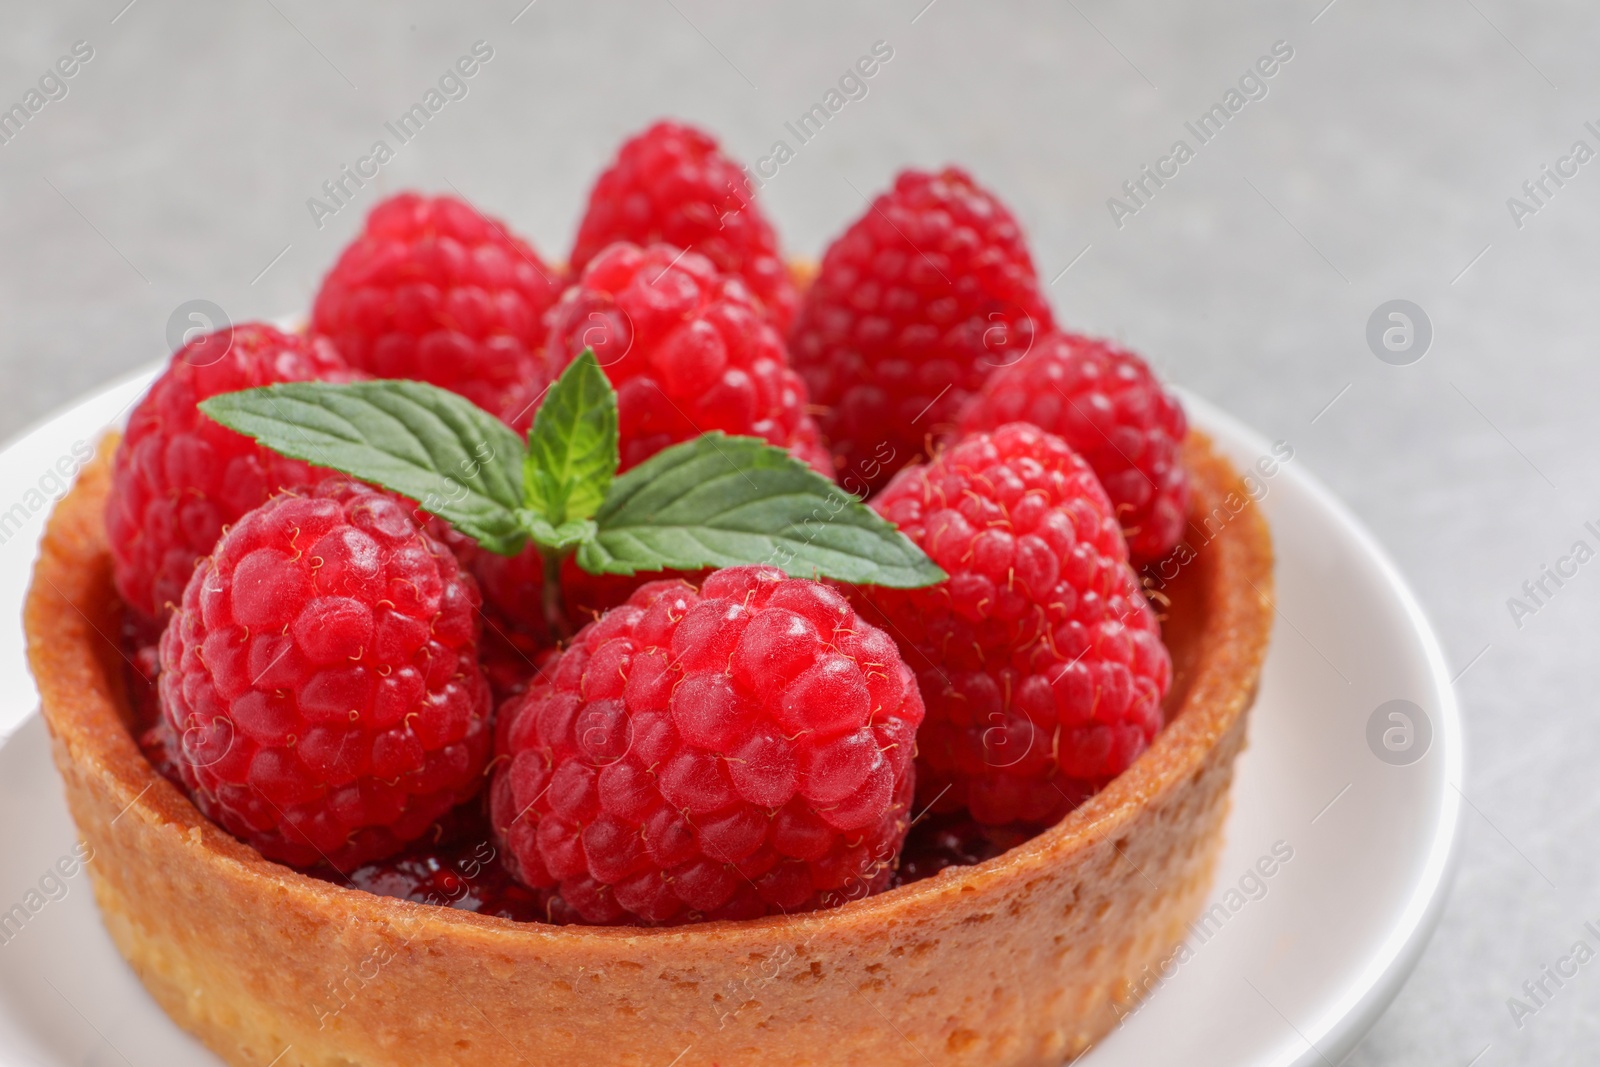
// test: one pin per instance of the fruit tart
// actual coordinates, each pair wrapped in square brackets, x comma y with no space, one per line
[565,702]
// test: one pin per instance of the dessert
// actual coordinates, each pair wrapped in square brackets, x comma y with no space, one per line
[695,837]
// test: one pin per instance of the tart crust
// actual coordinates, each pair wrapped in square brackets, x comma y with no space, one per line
[1027,958]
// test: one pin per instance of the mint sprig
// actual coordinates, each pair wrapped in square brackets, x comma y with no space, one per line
[436,447]
[713,501]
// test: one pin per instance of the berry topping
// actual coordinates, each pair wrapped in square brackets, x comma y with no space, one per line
[1105,402]
[672,184]
[434,291]
[1040,660]
[914,306]
[735,751]
[461,870]
[687,349]
[178,478]
[321,679]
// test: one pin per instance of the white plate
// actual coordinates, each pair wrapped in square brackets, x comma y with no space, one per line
[1291,968]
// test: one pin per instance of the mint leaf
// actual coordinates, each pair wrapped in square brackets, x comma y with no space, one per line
[569,534]
[719,501]
[572,447]
[440,449]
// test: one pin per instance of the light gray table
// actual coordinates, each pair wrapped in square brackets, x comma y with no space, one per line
[1377,166]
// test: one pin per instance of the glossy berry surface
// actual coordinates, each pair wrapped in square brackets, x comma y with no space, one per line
[739,750]
[178,477]
[914,306]
[1106,403]
[434,291]
[688,350]
[456,865]
[320,682]
[1040,660]
[672,185]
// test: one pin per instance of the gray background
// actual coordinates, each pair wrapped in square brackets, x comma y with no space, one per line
[1378,167]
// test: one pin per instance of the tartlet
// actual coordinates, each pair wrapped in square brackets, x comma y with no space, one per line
[1027,958]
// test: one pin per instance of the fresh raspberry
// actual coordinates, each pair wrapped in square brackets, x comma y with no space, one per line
[178,477]
[687,349]
[321,679]
[737,751]
[1105,402]
[914,306]
[1039,658]
[431,290]
[672,184]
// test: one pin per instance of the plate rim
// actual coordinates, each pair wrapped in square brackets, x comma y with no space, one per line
[1363,1000]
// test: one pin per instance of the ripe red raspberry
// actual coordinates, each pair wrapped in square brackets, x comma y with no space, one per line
[321,679]
[1105,402]
[672,184]
[434,291]
[687,349]
[914,306]
[737,751]
[178,478]
[1040,661]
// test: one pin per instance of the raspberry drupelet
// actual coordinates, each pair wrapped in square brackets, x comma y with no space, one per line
[739,750]
[434,291]
[178,477]
[1040,660]
[1106,403]
[913,307]
[320,683]
[672,184]
[687,349]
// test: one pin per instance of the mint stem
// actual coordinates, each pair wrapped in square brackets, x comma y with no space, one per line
[555,618]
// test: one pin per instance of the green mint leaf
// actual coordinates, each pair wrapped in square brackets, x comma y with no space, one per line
[569,534]
[440,449]
[719,501]
[572,447]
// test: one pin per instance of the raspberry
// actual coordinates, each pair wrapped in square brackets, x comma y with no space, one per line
[687,349]
[434,291]
[321,679]
[178,478]
[1105,402]
[672,184]
[1040,661]
[740,750]
[914,306]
